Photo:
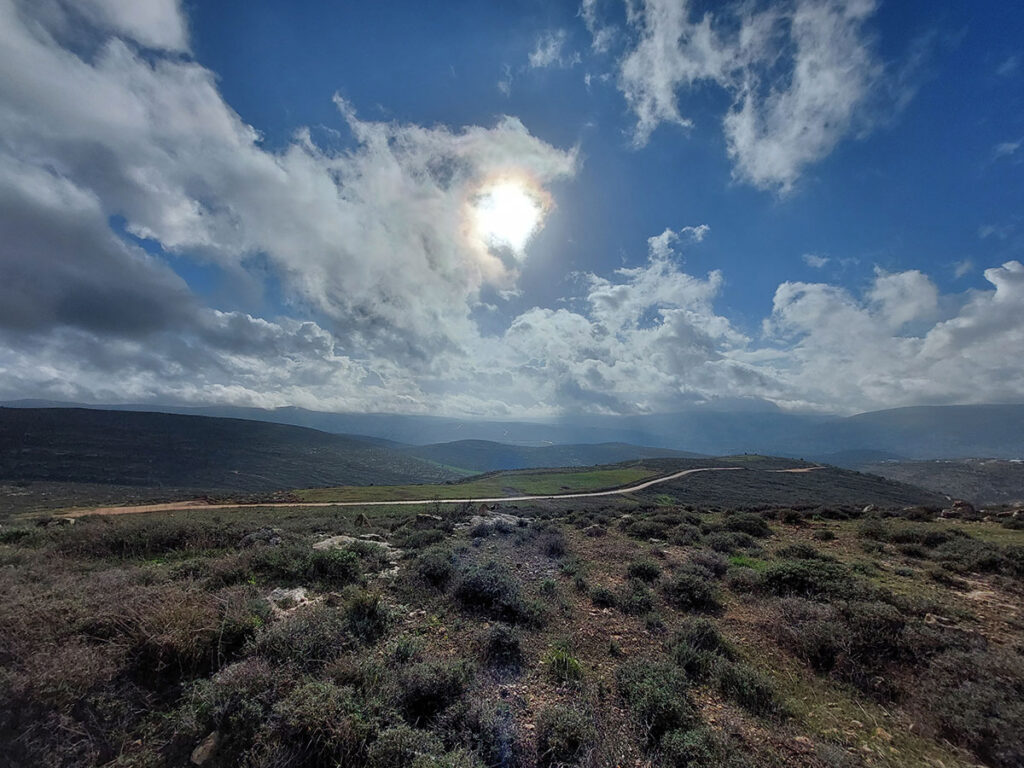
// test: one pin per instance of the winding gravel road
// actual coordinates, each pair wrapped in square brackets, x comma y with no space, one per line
[199,504]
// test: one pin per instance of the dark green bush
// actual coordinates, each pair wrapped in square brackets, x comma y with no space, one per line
[745,522]
[743,580]
[743,685]
[562,665]
[309,638]
[402,746]
[553,543]
[602,597]
[976,700]
[804,578]
[635,599]
[970,556]
[802,552]
[501,647]
[688,749]
[436,566]
[565,736]
[645,570]
[493,591]
[728,542]
[322,722]
[824,534]
[366,616]
[691,592]
[657,695]
[685,535]
[647,529]
[714,563]
[430,686]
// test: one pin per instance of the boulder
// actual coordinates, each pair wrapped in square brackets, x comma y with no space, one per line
[206,749]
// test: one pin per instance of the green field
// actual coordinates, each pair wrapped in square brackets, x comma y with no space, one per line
[520,483]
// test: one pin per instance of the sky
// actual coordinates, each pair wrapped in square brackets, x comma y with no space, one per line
[512,210]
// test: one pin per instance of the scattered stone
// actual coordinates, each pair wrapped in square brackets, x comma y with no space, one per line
[493,519]
[428,521]
[206,749]
[869,509]
[284,600]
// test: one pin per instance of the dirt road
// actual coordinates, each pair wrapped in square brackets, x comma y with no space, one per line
[199,504]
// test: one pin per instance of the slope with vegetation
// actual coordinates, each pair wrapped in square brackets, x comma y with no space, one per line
[153,449]
[620,632]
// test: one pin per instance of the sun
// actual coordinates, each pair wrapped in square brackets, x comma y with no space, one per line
[507,213]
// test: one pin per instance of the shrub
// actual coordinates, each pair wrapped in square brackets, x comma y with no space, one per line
[493,591]
[656,694]
[430,686]
[802,552]
[824,534]
[647,529]
[635,599]
[562,666]
[690,592]
[697,646]
[728,542]
[685,535]
[747,688]
[321,718]
[970,555]
[565,736]
[808,579]
[238,700]
[489,729]
[743,580]
[366,616]
[553,544]
[712,562]
[602,597]
[976,700]
[745,522]
[688,749]
[791,517]
[401,746]
[501,646]
[436,566]
[645,570]
[310,637]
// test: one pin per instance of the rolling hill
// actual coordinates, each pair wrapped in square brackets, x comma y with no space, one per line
[488,456]
[131,448]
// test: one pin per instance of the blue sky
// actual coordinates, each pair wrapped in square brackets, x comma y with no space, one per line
[813,203]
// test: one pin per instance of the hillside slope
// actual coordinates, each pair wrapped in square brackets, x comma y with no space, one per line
[488,456]
[981,481]
[155,449]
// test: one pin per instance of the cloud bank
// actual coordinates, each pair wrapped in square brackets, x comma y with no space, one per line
[120,162]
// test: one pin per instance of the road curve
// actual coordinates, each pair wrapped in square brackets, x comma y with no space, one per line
[195,504]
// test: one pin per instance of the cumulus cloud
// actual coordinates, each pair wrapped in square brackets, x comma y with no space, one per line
[815,261]
[601,34]
[105,117]
[800,74]
[1006,148]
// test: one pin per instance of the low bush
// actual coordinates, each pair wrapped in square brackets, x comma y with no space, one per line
[431,686]
[976,699]
[728,542]
[635,598]
[309,638]
[436,566]
[824,534]
[743,580]
[693,748]
[322,722]
[402,746]
[602,597]
[565,736]
[746,522]
[493,591]
[805,578]
[553,543]
[562,665]
[685,535]
[647,529]
[502,647]
[712,562]
[802,552]
[657,695]
[691,592]
[366,616]
[746,687]
[645,570]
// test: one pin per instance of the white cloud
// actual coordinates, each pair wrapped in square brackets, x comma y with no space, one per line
[602,35]
[815,261]
[380,280]
[800,74]
[1008,66]
[962,268]
[1006,148]
[550,51]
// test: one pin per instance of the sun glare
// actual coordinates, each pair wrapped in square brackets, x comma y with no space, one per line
[507,214]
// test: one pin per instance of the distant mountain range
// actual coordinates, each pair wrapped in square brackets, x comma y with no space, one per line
[923,432]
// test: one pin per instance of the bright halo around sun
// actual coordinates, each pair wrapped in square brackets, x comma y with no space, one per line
[507,212]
